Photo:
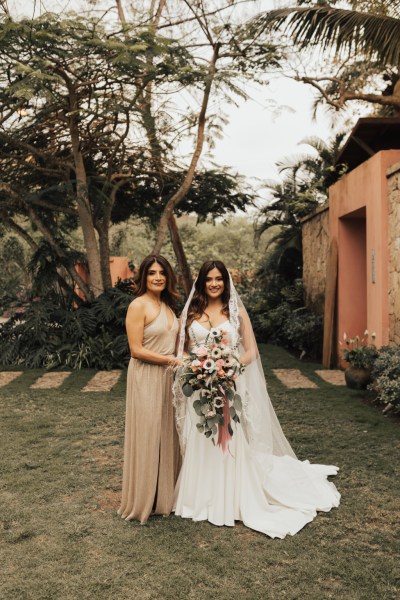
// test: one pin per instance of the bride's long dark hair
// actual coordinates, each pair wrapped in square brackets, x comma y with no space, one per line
[199,301]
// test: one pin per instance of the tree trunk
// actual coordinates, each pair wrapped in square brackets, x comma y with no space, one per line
[187,182]
[187,280]
[149,124]
[104,244]
[82,198]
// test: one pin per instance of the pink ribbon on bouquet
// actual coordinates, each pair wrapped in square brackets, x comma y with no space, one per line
[224,437]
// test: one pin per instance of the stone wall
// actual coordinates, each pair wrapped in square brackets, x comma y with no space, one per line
[393,175]
[315,234]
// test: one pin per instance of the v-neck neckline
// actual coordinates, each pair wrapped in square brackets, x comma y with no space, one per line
[215,327]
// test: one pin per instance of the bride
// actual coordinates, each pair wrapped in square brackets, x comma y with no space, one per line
[253,476]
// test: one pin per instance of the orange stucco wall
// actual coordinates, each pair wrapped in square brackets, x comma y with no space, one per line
[358,218]
[119,269]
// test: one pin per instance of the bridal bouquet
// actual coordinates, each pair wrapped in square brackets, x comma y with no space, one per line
[212,368]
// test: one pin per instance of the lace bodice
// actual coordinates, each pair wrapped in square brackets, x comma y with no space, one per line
[198,333]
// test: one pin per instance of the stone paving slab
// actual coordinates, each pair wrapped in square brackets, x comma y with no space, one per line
[8,376]
[334,376]
[293,378]
[50,380]
[103,381]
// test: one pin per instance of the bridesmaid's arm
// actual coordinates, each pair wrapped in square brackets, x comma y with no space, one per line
[135,329]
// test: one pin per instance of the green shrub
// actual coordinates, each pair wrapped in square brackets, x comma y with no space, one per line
[49,335]
[303,331]
[278,315]
[386,377]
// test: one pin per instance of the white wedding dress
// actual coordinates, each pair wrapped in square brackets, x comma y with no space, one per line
[277,501]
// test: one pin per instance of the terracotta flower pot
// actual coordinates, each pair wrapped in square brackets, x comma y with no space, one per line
[357,378]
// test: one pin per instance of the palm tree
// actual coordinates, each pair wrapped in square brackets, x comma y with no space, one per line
[304,187]
[372,35]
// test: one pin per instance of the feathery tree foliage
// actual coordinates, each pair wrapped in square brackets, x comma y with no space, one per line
[86,121]
[68,100]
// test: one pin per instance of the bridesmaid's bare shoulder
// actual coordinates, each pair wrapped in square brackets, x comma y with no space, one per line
[136,307]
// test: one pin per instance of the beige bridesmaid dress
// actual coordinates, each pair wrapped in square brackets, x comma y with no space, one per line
[151,451]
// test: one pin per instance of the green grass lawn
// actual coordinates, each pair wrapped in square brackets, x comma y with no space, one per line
[61,465]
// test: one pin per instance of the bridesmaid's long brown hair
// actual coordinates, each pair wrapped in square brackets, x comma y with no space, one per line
[199,301]
[169,295]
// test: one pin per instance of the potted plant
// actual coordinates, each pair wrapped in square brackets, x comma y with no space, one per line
[361,356]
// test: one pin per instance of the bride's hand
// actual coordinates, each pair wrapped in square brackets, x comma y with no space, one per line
[174,361]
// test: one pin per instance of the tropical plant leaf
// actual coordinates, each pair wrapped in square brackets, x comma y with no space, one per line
[338,29]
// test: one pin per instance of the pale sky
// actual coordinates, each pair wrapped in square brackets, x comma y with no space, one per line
[260,131]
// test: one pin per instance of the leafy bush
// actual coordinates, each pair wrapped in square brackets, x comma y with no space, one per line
[303,331]
[92,335]
[278,316]
[386,377]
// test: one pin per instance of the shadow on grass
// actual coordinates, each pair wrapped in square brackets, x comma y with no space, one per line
[61,478]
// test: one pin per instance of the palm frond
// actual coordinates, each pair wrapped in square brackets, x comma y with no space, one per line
[294,162]
[315,142]
[338,29]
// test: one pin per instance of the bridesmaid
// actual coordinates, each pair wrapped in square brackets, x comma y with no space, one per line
[151,452]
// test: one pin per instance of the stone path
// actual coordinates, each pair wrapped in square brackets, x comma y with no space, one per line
[335,377]
[8,376]
[50,380]
[104,381]
[293,378]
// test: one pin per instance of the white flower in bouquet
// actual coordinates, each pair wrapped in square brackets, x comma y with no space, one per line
[209,364]
[214,332]
[229,362]
[216,353]
[218,402]
[227,351]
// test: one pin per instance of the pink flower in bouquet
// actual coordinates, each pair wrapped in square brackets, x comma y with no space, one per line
[199,376]
[221,373]
[210,414]
[201,351]
[220,362]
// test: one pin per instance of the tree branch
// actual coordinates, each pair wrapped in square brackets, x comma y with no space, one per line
[344,95]
[185,186]
[20,231]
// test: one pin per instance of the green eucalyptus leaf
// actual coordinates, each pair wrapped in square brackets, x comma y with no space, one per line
[187,390]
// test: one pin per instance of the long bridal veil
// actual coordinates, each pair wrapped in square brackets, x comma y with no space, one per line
[258,419]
